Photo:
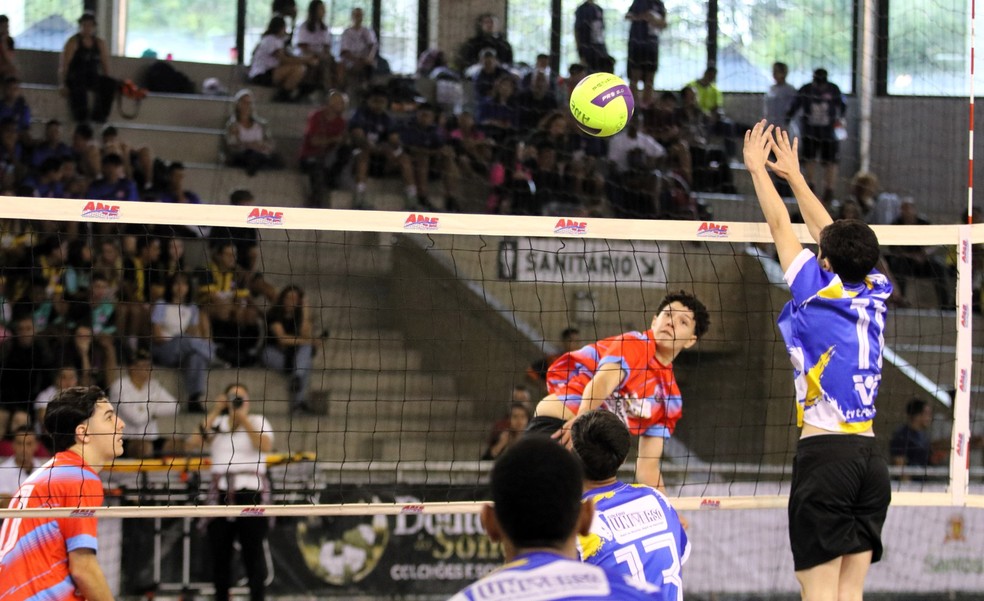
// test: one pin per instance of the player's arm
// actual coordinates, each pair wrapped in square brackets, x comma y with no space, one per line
[601,386]
[648,465]
[787,167]
[88,576]
[758,146]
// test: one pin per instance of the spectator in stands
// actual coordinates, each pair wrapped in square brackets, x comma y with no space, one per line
[290,344]
[519,418]
[314,39]
[66,377]
[535,101]
[589,35]
[175,191]
[570,340]
[113,185]
[224,298]
[273,66]
[247,243]
[248,142]
[378,149]
[78,270]
[8,65]
[540,66]
[238,445]
[634,177]
[491,71]
[13,158]
[98,318]
[879,208]
[287,10]
[647,20]
[472,148]
[779,97]
[84,67]
[661,120]
[25,361]
[47,183]
[357,54]
[13,105]
[910,444]
[711,103]
[85,151]
[575,73]
[498,114]
[108,263]
[908,262]
[138,163]
[17,467]
[181,339]
[429,152]
[487,35]
[51,145]
[823,108]
[325,151]
[139,399]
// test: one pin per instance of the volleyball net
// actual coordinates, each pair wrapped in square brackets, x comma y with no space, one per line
[423,324]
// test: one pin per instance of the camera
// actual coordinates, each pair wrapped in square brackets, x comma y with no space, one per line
[236,401]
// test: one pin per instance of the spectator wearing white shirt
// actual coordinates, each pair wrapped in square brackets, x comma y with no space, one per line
[16,468]
[779,98]
[358,51]
[139,400]
[181,339]
[66,377]
[273,66]
[313,38]
[239,441]
[634,178]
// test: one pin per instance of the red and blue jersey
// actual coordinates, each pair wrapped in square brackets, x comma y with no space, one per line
[647,399]
[637,533]
[545,576]
[34,551]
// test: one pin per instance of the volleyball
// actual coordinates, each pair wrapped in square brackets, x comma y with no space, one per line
[602,104]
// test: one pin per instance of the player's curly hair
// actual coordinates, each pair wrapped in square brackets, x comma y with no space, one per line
[601,441]
[852,248]
[702,319]
[67,410]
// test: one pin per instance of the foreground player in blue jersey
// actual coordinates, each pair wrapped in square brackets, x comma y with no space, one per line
[833,329]
[536,514]
[635,530]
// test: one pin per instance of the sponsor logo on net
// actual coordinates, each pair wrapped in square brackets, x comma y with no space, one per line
[412,509]
[421,222]
[964,315]
[965,251]
[709,229]
[260,216]
[83,513]
[98,210]
[710,504]
[253,511]
[569,226]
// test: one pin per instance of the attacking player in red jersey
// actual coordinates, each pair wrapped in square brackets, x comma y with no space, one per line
[55,558]
[631,375]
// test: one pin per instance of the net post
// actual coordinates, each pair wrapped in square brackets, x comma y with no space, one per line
[960,444]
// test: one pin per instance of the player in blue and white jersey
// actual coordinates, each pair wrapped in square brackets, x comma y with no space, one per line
[635,530]
[537,514]
[833,328]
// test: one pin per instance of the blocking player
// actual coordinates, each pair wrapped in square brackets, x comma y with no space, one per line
[55,558]
[631,375]
[635,531]
[537,514]
[833,329]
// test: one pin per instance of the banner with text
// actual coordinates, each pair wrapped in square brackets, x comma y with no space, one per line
[581,260]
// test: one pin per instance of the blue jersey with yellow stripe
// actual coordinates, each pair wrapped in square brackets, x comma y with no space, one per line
[636,532]
[834,333]
[543,576]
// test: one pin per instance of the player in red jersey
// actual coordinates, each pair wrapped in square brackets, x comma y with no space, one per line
[55,558]
[631,375]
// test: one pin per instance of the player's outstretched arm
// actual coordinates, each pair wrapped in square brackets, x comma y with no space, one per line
[601,386]
[758,147]
[787,167]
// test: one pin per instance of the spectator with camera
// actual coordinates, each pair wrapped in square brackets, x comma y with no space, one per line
[238,443]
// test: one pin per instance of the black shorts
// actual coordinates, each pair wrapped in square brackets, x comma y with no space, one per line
[263,79]
[838,500]
[644,56]
[821,144]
